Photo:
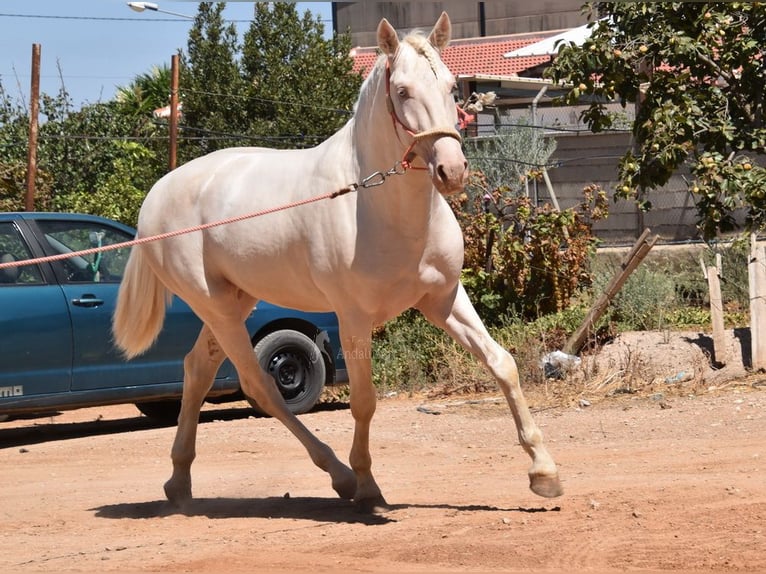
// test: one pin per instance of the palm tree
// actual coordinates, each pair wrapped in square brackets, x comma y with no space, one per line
[146,92]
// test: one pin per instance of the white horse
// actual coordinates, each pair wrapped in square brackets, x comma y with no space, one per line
[367,256]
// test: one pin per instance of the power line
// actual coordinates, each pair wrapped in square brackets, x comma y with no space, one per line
[491,130]
[224,135]
[516,161]
[101,18]
[212,135]
[119,19]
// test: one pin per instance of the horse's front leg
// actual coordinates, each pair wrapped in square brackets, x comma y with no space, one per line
[200,367]
[456,315]
[357,348]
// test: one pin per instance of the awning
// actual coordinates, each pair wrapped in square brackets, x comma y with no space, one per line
[549,45]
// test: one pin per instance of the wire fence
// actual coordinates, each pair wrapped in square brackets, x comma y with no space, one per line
[582,159]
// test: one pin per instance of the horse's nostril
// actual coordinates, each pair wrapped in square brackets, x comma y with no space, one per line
[441,173]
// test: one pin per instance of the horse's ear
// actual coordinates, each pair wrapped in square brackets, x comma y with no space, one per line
[388,41]
[442,32]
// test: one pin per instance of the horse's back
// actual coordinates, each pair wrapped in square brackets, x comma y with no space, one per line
[279,255]
[234,181]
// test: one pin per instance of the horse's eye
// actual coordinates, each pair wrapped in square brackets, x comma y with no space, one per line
[402,93]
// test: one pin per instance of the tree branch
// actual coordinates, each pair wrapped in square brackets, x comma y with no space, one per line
[732,81]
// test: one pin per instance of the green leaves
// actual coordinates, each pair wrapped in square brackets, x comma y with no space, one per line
[284,85]
[700,69]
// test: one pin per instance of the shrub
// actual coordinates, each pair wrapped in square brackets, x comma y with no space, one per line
[523,260]
[404,352]
[644,299]
[668,290]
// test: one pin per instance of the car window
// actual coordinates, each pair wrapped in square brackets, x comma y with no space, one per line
[13,248]
[100,267]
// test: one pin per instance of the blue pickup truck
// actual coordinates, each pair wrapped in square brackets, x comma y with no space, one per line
[55,330]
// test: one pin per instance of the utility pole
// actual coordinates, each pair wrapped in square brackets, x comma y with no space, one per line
[173,122]
[34,110]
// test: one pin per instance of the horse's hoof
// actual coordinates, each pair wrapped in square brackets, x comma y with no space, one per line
[374,505]
[178,495]
[345,485]
[546,485]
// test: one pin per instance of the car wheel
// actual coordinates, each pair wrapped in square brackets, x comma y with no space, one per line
[162,411]
[297,366]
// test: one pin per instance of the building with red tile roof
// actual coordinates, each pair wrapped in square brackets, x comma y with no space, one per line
[475,56]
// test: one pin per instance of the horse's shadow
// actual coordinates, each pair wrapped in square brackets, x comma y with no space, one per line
[333,510]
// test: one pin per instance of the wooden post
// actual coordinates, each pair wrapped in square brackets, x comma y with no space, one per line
[34,112]
[549,185]
[554,199]
[757,282]
[173,122]
[637,254]
[716,316]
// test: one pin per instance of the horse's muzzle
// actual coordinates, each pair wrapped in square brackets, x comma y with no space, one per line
[449,168]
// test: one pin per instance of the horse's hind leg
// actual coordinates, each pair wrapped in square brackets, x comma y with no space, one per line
[200,367]
[456,315]
[260,387]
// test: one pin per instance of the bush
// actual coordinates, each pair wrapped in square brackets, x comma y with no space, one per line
[404,352]
[644,300]
[522,260]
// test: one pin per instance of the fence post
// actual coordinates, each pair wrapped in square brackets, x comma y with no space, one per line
[716,315]
[757,282]
[640,250]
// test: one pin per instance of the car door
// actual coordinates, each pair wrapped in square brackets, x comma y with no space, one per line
[90,284]
[35,328]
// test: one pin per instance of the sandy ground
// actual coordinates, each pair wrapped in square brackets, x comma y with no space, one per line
[651,485]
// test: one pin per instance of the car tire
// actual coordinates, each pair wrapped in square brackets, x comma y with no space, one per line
[297,365]
[161,411]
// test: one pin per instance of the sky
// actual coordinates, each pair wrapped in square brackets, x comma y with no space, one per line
[96,45]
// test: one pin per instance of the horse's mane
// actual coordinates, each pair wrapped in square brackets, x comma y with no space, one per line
[419,41]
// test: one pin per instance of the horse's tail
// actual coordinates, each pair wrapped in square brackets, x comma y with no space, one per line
[140,310]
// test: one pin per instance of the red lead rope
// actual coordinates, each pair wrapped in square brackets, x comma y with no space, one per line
[141,240]
[373,180]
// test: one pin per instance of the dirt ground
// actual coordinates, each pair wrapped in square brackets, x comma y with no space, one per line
[652,484]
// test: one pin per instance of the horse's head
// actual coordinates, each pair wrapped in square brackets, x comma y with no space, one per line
[420,99]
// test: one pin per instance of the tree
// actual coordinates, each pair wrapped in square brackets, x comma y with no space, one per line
[118,192]
[212,90]
[300,86]
[80,149]
[146,92]
[14,130]
[84,162]
[697,71]
[509,158]
[284,86]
